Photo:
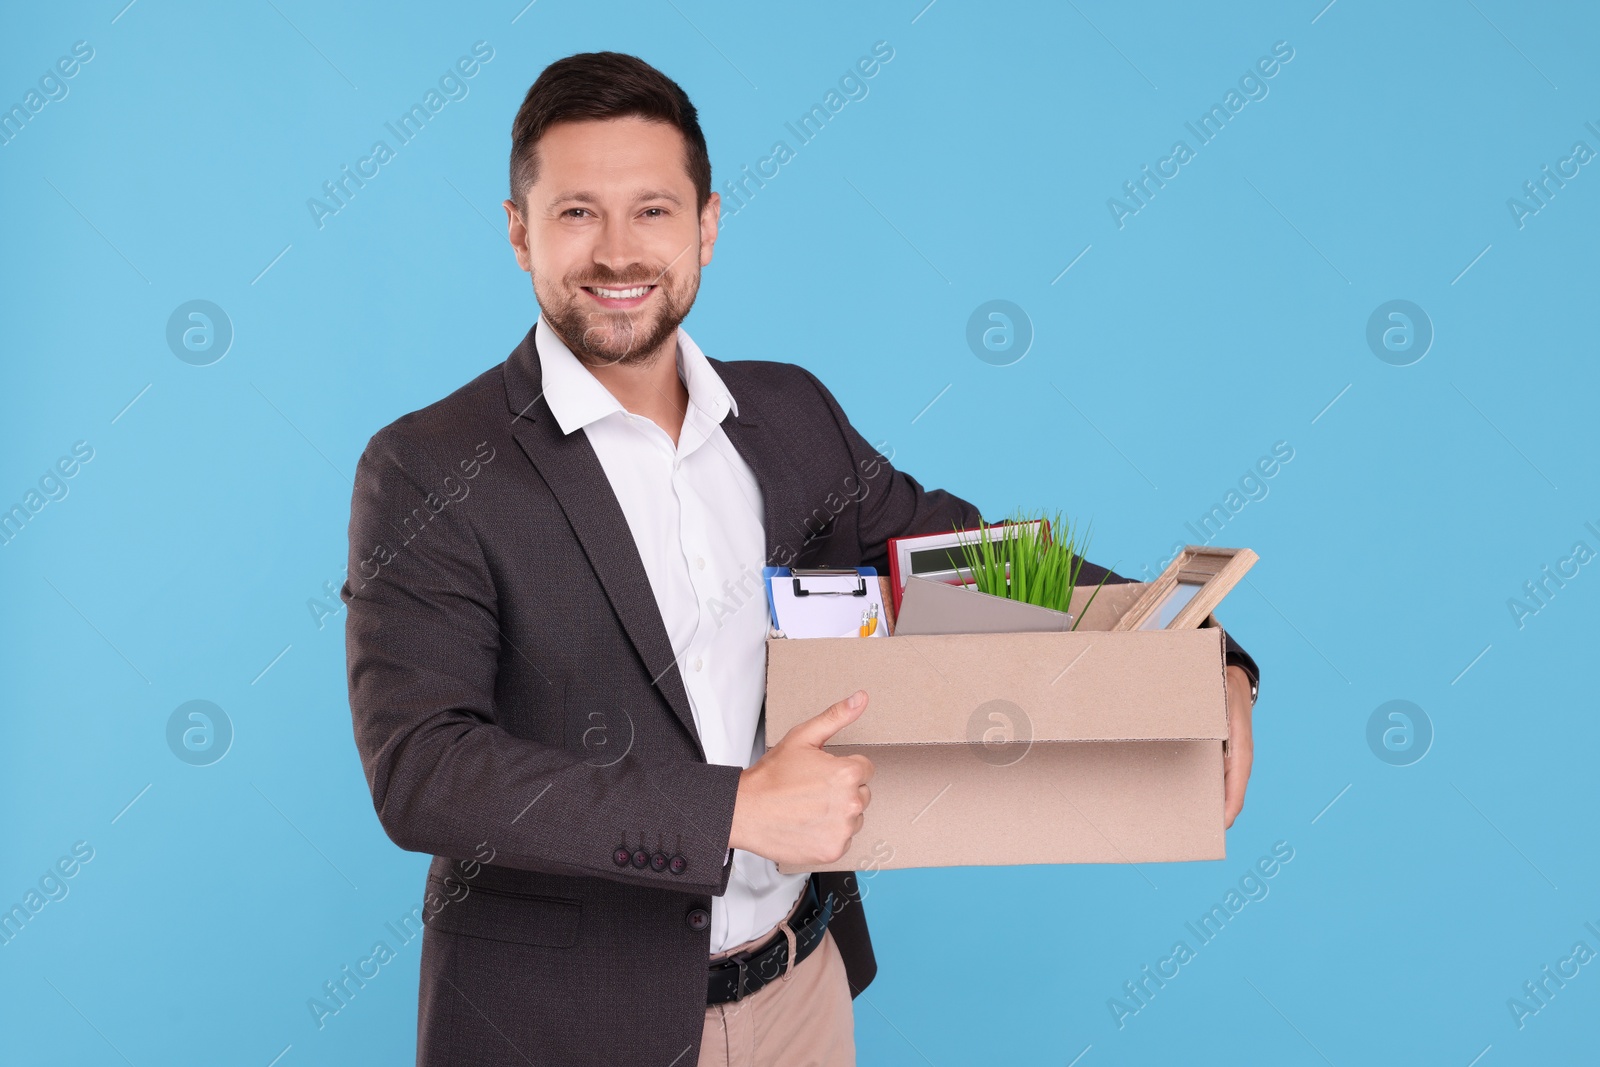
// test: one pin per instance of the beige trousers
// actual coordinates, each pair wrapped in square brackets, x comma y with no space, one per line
[803,1019]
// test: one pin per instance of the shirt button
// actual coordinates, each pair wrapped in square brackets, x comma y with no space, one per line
[700,561]
[698,663]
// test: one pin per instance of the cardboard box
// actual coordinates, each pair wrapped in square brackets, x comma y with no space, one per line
[1089,746]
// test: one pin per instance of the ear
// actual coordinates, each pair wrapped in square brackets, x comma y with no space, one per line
[710,218]
[517,234]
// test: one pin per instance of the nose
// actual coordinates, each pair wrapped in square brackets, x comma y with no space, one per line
[617,246]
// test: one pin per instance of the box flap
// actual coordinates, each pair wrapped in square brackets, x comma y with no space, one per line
[986,688]
[1107,605]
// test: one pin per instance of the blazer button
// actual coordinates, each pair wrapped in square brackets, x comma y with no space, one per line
[677,865]
[641,858]
[699,918]
[658,862]
[621,857]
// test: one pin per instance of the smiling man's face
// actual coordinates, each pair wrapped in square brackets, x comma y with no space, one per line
[612,237]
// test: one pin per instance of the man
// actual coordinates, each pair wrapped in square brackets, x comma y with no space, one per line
[556,637]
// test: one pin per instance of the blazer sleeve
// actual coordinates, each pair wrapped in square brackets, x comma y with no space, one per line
[892,503]
[423,647]
[895,505]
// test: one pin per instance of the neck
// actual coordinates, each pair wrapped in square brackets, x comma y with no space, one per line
[651,388]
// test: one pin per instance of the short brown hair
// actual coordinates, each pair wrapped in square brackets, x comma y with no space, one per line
[603,85]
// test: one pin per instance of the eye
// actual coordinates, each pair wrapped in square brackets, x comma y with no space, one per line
[573,212]
[655,212]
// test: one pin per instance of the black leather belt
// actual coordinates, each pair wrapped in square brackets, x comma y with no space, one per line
[745,972]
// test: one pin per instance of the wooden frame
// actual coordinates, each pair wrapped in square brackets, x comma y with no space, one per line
[1204,574]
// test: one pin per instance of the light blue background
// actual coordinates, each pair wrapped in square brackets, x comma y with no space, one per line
[1227,315]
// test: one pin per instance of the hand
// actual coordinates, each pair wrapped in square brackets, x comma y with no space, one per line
[798,804]
[1241,745]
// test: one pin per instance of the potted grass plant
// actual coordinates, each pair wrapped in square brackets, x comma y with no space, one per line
[1031,559]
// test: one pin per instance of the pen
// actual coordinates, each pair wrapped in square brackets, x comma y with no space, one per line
[869,621]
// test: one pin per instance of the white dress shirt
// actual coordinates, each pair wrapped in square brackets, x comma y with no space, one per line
[695,512]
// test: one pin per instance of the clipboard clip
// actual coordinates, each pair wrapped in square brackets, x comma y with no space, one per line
[828,572]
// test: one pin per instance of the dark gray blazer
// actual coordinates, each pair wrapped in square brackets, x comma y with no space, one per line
[520,717]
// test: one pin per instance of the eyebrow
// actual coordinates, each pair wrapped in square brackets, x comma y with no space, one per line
[580,197]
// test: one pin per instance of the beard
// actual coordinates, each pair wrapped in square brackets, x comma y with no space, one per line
[602,337]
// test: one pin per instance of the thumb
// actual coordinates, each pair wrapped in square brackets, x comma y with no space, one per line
[817,729]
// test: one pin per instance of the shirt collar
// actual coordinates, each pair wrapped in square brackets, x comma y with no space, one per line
[577,398]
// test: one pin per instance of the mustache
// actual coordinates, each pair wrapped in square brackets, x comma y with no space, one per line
[616,279]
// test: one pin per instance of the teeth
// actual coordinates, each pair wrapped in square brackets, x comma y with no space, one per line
[622,294]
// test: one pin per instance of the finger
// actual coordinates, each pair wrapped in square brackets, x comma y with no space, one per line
[1236,766]
[866,796]
[867,768]
[817,729]
[1232,814]
[1235,778]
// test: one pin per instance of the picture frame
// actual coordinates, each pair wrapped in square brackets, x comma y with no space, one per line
[937,556]
[1190,588]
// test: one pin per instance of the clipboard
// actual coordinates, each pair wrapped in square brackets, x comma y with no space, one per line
[825,601]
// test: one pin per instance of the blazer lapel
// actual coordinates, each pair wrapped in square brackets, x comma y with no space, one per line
[782,499]
[569,466]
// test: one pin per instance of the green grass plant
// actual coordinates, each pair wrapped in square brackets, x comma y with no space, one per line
[1036,564]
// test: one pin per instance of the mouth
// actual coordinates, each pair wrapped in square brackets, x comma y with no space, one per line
[621,298]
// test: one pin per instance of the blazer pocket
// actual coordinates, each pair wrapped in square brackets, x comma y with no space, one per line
[499,915]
